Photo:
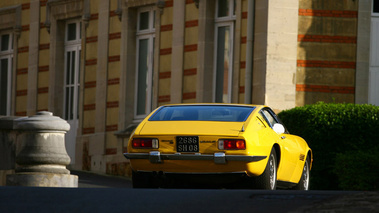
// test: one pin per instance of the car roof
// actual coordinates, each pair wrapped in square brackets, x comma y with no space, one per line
[215,104]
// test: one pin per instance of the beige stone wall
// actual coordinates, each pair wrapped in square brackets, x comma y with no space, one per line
[113,86]
[31,67]
[43,63]
[275,53]
[22,60]
[243,59]
[190,53]
[326,56]
[90,75]
[165,55]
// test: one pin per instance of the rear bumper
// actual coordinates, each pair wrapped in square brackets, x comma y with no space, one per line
[217,158]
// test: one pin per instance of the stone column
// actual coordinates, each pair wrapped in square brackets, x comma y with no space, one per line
[41,156]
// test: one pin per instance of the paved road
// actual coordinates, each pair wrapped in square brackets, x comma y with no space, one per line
[91,180]
[98,193]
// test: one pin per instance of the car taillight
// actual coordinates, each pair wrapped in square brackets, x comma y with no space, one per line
[232,144]
[145,143]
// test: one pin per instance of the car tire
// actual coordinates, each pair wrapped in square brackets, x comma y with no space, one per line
[304,180]
[268,179]
[142,180]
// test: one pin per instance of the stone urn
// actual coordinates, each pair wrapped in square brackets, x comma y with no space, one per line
[41,156]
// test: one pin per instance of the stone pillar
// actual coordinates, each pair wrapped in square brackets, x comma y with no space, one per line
[7,147]
[41,156]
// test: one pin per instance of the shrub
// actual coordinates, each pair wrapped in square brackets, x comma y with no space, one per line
[335,132]
[358,170]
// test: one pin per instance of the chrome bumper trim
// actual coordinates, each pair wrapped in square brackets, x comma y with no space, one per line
[218,157]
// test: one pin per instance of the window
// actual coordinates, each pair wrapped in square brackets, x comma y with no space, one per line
[144,70]
[6,61]
[375,6]
[202,113]
[269,117]
[72,65]
[224,36]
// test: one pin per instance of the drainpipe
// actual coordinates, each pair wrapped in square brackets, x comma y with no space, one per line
[249,51]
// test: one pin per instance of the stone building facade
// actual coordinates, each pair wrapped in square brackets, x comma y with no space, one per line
[103,65]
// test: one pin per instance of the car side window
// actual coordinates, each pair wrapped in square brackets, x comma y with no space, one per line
[270,119]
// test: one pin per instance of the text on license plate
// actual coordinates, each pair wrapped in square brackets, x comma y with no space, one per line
[187,144]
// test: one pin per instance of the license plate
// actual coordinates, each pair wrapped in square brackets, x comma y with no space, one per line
[187,144]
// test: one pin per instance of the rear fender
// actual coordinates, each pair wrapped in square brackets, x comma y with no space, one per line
[300,166]
[257,168]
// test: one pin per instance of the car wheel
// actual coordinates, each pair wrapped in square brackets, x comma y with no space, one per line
[267,180]
[304,180]
[142,180]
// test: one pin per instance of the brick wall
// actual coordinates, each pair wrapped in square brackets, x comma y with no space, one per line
[326,58]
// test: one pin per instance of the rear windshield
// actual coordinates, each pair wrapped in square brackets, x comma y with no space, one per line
[202,113]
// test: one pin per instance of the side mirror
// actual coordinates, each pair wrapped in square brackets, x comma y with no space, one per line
[278,128]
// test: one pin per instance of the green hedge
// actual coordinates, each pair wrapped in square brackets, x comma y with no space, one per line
[344,139]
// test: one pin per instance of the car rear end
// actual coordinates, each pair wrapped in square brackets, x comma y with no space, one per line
[206,141]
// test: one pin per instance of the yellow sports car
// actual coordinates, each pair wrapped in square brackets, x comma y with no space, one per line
[230,144]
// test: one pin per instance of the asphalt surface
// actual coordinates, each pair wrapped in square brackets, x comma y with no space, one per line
[102,193]
[91,180]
